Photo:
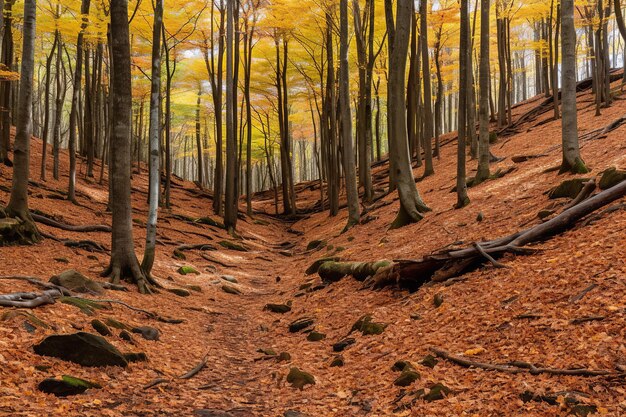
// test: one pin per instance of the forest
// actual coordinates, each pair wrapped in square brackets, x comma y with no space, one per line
[229,208]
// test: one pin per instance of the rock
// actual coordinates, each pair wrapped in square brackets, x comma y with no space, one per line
[186,270]
[294,413]
[195,288]
[181,292]
[227,244]
[62,260]
[437,392]
[77,282]
[315,336]
[267,351]
[366,326]
[284,357]
[147,332]
[438,300]
[299,379]
[316,244]
[136,357]
[337,361]
[341,345]
[301,324]
[277,308]
[209,222]
[230,279]
[67,385]
[100,327]
[611,177]
[83,348]
[124,335]
[401,365]
[407,377]
[429,361]
[29,327]
[480,217]
[545,213]
[568,188]
[583,410]
[229,289]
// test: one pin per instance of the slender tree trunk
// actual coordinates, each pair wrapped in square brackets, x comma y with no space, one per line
[5,87]
[464,46]
[428,112]
[483,146]
[230,205]
[572,161]
[154,139]
[46,120]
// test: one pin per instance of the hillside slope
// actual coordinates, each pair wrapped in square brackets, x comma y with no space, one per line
[523,313]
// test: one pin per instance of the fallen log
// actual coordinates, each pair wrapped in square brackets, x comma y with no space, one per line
[449,263]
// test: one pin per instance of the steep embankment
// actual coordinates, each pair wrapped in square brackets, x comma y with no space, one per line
[527,312]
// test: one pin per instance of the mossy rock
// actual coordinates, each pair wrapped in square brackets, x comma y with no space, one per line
[278,308]
[77,282]
[301,324]
[62,260]
[337,361]
[178,254]
[583,410]
[316,244]
[305,286]
[83,348]
[186,270]
[299,379]
[407,377]
[210,222]
[147,332]
[227,244]
[86,306]
[100,327]
[438,300]
[116,324]
[366,326]
[315,336]
[401,365]
[229,289]
[181,292]
[568,188]
[284,357]
[267,351]
[314,267]
[611,177]
[32,318]
[195,288]
[67,385]
[437,392]
[429,361]
[341,345]
[229,278]
[125,335]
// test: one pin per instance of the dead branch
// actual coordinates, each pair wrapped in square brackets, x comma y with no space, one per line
[29,299]
[210,259]
[583,293]
[155,382]
[495,263]
[587,190]
[517,367]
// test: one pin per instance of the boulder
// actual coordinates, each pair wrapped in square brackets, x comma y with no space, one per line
[568,188]
[611,177]
[83,348]
[76,282]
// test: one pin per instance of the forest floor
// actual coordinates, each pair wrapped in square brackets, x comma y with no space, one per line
[524,312]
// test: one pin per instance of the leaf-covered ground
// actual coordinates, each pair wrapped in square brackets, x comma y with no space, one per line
[522,313]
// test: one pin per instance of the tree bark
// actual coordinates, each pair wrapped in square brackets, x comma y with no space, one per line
[483,145]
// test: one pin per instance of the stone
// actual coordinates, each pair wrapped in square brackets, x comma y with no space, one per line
[341,345]
[568,188]
[230,279]
[181,292]
[337,361]
[301,324]
[278,308]
[407,377]
[438,300]
[147,332]
[437,392]
[429,361]
[76,282]
[124,335]
[195,288]
[67,385]
[186,270]
[316,244]
[294,413]
[83,348]
[229,289]
[116,324]
[315,336]
[100,327]
[401,365]
[136,357]
[227,244]
[611,177]
[299,379]
[315,266]
[284,357]
[366,326]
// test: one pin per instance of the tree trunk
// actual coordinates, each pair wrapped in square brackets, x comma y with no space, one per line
[464,69]
[124,262]
[428,113]
[5,87]
[46,120]
[230,205]
[483,146]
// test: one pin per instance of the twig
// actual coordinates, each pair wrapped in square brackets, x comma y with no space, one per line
[586,319]
[495,263]
[195,369]
[155,382]
[582,293]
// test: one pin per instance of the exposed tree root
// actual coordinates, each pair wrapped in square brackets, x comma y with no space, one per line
[88,245]
[210,259]
[29,299]
[195,369]
[17,228]
[48,221]
[517,367]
